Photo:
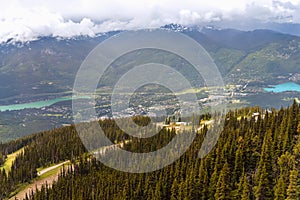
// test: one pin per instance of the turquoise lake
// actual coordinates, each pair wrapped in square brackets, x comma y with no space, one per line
[37,104]
[290,86]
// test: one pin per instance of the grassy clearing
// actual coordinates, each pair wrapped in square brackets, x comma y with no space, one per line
[10,159]
[50,173]
[43,170]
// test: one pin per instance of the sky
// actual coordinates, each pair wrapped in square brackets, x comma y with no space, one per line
[25,20]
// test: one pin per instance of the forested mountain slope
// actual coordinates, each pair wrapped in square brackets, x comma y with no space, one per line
[255,158]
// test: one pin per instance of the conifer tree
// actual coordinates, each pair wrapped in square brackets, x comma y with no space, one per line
[280,189]
[286,163]
[264,189]
[174,190]
[245,193]
[265,176]
[292,191]
[223,185]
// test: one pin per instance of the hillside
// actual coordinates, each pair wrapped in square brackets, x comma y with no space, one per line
[256,157]
[260,56]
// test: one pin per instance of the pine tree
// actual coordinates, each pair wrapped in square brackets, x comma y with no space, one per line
[280,189]
[238,164]
[286,163]
[174,190]
[265,176]
[223,185]
[245,195]
[213,183]
[292,191]
[264,189]
[203,180]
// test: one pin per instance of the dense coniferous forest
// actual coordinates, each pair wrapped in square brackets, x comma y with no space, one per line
[256,157]
[41,149]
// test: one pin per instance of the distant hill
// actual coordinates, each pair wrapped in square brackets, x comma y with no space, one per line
[49,65]
[260,55]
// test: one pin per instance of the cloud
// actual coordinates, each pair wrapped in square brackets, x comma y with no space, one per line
[25,20]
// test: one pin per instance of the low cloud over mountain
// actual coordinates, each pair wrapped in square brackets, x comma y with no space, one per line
[25,20]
